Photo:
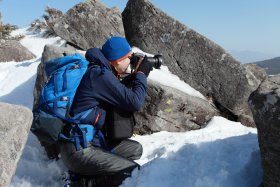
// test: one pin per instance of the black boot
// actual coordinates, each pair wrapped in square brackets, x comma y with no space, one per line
[113,180]
[94,181]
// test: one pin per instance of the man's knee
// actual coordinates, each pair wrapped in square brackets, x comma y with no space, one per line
[138,151]
[129,149]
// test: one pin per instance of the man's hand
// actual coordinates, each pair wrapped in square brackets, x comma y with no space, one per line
[145,66]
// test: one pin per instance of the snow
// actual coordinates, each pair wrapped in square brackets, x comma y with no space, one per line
[165,77]
[225,153]
[34,41]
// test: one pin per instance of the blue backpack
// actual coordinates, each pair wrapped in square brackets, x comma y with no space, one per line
[64,76]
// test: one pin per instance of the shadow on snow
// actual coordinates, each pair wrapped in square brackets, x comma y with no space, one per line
[230,162]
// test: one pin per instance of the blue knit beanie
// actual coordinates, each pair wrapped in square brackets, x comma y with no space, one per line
[116,49]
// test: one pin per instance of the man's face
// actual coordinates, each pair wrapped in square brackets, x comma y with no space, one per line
[121,66]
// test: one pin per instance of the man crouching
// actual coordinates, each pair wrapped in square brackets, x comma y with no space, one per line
[108,163]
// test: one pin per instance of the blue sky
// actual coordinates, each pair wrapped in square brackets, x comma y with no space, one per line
[251,25]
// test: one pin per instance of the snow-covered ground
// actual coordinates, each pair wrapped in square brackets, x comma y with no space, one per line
[224,154]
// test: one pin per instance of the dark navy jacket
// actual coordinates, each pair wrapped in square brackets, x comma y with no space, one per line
[100,88]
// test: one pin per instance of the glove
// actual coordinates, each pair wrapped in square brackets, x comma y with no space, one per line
[145,66]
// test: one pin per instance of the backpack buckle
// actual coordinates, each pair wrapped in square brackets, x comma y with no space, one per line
[76,66]
[64,98]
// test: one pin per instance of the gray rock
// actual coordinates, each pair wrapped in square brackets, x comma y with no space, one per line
[255,76]
[195,59]
[15,122]
[89,24]
[37,26]
[50,52]
[168,109]
[52,15]
[265,106]
[11,50]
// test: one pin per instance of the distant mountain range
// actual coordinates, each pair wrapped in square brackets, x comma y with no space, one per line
[250,56]
[271,66]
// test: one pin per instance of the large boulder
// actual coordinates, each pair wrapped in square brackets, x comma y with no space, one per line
[12,50]
[89,24]
[195,59]
[255,76]
[265,106]
[169,109]
[50,52]
[52,15]
[15,122]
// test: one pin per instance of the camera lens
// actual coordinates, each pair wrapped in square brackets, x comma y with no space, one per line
[156,61]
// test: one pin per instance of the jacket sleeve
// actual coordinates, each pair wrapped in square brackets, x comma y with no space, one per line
[115,93]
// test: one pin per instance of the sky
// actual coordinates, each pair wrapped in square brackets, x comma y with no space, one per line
[240,25]
[224,153]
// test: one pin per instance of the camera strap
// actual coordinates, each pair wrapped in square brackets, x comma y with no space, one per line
[138,63]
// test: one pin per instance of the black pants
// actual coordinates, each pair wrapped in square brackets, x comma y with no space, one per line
[94,161]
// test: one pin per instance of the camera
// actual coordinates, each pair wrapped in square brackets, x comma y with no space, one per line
[156,61]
